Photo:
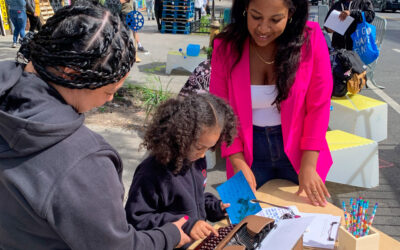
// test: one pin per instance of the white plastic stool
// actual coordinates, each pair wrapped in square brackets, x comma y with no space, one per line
[355,159]
[176,60]
[360,115]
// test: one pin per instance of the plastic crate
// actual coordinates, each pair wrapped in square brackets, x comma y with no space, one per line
[174,7]
[177,14]
[175,25]
[178,3]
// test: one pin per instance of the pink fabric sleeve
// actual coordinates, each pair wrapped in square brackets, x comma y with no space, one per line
[318,95]
[219,87]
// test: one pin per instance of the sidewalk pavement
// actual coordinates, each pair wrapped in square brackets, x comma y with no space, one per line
[127,141]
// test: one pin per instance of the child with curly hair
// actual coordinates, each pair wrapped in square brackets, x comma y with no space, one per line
[170,183]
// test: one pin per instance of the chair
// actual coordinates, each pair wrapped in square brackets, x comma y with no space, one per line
[380,24]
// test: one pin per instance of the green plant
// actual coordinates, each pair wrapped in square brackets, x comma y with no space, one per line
[209,52]
[155,69]
[101,109]
[118,97]
[130,86]
[152,97]
[205,24]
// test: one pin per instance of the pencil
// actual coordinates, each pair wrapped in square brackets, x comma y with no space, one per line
[371,219]
[346,221]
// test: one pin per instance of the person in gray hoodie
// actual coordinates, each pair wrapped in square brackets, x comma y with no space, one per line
[60,183]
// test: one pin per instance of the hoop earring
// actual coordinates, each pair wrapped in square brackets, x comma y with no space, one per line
[244,13]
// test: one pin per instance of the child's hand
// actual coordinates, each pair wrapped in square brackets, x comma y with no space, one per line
[202,229]
[224,206]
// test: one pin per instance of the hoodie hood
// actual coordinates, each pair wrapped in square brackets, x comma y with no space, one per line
[33,115]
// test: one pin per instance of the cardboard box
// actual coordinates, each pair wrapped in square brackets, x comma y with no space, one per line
[348,242]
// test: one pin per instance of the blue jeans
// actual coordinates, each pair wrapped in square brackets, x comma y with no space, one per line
[18,18]
[269,158]
[150,8]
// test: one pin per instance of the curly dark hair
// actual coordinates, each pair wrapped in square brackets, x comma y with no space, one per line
[178,123]
[84,37]
[289,43]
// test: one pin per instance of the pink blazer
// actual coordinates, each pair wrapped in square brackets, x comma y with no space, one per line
[304,114]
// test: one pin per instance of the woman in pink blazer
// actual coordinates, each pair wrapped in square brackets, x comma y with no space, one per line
[273,67]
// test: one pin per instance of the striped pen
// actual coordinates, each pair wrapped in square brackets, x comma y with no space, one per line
[371,219]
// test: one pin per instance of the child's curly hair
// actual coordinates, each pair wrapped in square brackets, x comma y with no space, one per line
[178,123]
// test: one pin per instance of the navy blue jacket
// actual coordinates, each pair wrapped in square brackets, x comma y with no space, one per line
[157,196]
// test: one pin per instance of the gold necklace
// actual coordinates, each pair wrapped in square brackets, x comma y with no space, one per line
[261,58]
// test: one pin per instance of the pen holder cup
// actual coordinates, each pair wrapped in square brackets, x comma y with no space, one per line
[347,241]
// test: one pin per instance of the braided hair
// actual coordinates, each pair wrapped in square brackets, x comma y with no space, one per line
[178,123]
[86,38]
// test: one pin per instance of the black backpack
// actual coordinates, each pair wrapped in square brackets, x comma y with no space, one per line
[345,63]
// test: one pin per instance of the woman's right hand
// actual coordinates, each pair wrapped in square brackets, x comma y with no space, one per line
[249,177]
[239,164]
[184,237]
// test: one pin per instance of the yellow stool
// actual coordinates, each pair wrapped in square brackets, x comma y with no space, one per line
[355,159]
[360,115]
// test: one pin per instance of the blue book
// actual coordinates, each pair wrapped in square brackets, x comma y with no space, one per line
[237,192]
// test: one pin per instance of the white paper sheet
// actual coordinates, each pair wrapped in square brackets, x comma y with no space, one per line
[334,23]
[286,234]
[276,212]
[323,227]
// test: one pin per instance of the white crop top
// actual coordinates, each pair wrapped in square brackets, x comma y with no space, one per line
[264,113]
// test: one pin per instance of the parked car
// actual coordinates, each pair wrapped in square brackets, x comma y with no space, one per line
[382,5]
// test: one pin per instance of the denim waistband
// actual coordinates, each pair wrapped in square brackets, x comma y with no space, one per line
[269,129]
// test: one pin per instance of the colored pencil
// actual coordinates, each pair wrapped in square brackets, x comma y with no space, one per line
[371,219]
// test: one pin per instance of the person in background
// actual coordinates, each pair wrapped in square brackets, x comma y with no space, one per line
[158,7]
[127,7]
[198,5]
[351,8]
[33,13]
[273,67]
[61,183]
[170,183]
[207,6]
[199,81]
[17,12]
[150,9]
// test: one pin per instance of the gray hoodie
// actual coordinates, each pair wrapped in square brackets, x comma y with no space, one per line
[60,183]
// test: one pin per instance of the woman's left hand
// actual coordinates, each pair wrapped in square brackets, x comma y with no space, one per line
[311,183]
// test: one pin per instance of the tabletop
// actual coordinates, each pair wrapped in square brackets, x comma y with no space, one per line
[283,192]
